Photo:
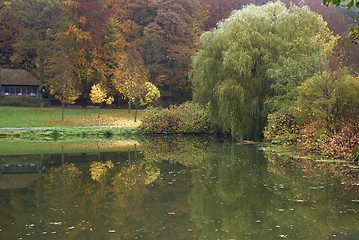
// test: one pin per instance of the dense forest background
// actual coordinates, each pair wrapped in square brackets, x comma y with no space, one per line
[71,45]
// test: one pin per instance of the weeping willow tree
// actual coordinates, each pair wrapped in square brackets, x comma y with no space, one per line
[252,62]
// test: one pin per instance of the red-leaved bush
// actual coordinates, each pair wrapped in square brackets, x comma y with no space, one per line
[343,143]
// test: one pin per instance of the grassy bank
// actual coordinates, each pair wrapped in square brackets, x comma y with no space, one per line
[45,124]
[14,117]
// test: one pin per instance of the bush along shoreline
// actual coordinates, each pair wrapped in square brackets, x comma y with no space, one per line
[187,118]
[314,137]
[284,128]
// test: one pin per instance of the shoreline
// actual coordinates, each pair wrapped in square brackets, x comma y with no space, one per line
[47,134]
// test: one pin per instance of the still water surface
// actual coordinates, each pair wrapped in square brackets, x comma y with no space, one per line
[175,188]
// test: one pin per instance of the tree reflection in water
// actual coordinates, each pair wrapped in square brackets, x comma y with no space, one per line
[184,188]
[241,195]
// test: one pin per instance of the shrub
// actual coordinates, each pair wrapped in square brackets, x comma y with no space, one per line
[347,140]
[343,143]
[281,129]
[15,101]
[186,118]
[157,120]
[313,136]
[193,118]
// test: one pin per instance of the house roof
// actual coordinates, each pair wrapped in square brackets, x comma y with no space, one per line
[17,77]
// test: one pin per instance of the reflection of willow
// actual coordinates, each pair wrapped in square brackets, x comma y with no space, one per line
[187,150]
[223,206]
[322,196]
[235,197]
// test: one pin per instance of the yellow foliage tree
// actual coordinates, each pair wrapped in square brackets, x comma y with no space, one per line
[99,95]
[329,42]
[131,80]
[151,93]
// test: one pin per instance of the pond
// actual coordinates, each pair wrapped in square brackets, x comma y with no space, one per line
[173,188]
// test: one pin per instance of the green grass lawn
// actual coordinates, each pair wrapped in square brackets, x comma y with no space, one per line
[14,117]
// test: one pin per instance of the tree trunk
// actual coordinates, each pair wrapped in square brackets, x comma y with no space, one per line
[135,112]
[41,93]
[62,107]
[129,107]
[99,106]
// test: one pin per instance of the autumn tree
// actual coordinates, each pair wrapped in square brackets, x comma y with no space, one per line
[98,95]
[62,83]
[37,20]
[83,36]
[9,31]
[131,80]
[221,9]
[257,54]
[169,42]
[125,67]
[116,45]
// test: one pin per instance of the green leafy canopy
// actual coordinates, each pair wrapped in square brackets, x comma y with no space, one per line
[252,62]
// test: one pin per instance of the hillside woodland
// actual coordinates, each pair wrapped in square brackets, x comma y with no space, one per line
[75,44]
